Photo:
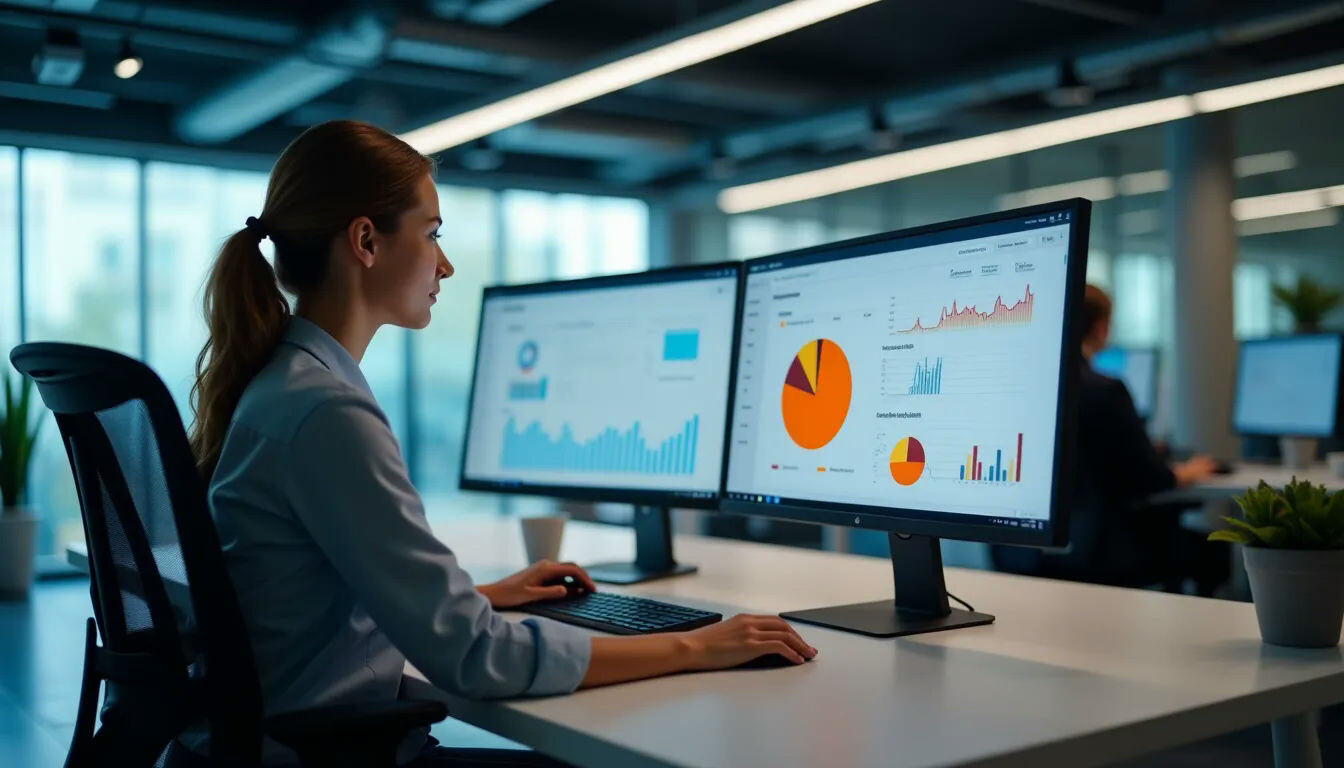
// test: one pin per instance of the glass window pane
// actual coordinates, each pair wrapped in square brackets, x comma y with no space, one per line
[9,251]
[81,285]
[444,351]
[191,211]
[529,241]
[384,367]
[80,244]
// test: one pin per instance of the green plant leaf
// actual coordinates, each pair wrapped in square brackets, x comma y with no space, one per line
[1235,537]
[1269,535]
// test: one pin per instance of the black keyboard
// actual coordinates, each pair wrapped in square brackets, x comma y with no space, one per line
[622,614]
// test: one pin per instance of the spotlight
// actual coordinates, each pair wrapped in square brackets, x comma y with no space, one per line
[128,63]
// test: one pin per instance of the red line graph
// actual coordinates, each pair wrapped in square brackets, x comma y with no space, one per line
[970,317]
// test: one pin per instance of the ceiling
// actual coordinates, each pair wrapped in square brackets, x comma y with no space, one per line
[238,78]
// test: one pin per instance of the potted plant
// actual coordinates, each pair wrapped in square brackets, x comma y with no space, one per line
[1308,302]
[18,524]
[1294,554]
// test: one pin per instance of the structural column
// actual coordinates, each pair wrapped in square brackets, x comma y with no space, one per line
[1199,153]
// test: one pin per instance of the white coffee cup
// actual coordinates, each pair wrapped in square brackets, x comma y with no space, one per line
[542,535]
[1336,461]
[1297,452]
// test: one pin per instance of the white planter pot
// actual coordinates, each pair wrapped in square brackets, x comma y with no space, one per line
[18,543]
[1298,594]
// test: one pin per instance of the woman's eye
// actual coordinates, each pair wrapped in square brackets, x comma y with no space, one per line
[433,235]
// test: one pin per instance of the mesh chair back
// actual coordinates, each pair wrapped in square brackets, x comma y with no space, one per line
[165,608]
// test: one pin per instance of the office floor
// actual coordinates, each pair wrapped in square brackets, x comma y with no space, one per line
[41,652]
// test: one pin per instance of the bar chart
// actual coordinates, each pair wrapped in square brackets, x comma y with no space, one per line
[928,380]
[528,390]
[982,467]
[611,450]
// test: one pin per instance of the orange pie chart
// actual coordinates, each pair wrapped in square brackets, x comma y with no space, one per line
[817,391]
[907,461]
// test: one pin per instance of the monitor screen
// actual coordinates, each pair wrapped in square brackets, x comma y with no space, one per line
[607,388]
[1137,368]
[1288,386]
[915,378]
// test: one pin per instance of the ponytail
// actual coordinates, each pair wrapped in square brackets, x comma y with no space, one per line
[245,313]
[330,175]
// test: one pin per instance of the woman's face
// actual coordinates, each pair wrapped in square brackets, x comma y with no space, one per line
[405,284]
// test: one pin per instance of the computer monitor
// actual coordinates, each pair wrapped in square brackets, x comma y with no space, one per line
[919,382]
[607,389]
[1137,368]
[1289,386]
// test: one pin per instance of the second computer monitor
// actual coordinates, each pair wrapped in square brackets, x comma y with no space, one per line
[1137,368]
[1289,386]
[915,382]
[611,388]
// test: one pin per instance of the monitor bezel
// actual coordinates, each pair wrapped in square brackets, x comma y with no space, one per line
[1153,386]
[921,522]
[1274,339]
[638,496]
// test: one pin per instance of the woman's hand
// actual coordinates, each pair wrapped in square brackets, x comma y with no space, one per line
[531,584]
[717,646]
[743,638]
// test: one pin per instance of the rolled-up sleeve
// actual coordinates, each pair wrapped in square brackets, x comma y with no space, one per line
[349,487]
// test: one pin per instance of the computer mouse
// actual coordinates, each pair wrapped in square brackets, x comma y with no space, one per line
[766,661]
[573,587]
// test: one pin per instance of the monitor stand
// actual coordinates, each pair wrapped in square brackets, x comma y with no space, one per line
[653,552]
[921,598]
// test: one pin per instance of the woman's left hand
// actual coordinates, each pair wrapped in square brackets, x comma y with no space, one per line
[543,580]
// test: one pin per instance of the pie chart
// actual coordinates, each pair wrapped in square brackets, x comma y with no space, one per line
[907,461]
[817,390]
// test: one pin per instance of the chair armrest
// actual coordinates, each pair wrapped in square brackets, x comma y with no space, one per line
[365,733]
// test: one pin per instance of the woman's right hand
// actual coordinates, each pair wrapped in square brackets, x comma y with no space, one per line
[743,638]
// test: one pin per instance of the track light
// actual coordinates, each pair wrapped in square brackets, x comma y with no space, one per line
[128,63]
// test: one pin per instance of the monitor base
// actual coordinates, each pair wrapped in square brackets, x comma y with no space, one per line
[653,552]
[633,573]
[920,603]
[883,619]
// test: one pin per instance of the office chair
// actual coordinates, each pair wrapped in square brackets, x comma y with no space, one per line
[174,650]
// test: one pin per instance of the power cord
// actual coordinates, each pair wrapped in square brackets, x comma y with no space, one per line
[964,604]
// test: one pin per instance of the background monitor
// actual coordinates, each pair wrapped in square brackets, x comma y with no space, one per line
[1289,386]
[607,389]
[1137,368]
[917,382]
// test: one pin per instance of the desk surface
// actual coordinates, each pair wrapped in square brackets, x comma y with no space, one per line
[1070,674]
[1249,475]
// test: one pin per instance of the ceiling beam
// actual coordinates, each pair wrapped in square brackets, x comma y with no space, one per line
[1094,9]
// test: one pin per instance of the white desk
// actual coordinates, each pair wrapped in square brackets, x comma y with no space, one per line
[1070,674]
[1249,475]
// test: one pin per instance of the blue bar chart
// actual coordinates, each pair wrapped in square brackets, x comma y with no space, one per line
[611,450]
[528,390]
[927,380]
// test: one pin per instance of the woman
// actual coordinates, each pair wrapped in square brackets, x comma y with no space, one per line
[339,577]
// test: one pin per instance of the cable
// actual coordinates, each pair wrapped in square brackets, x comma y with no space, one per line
[964,604]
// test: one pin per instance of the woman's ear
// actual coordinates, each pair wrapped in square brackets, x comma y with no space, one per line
[359,236]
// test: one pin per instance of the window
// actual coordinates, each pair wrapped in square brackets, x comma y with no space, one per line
[191,211]
[445,350]
[81,254]
[9,251]
[752,235]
